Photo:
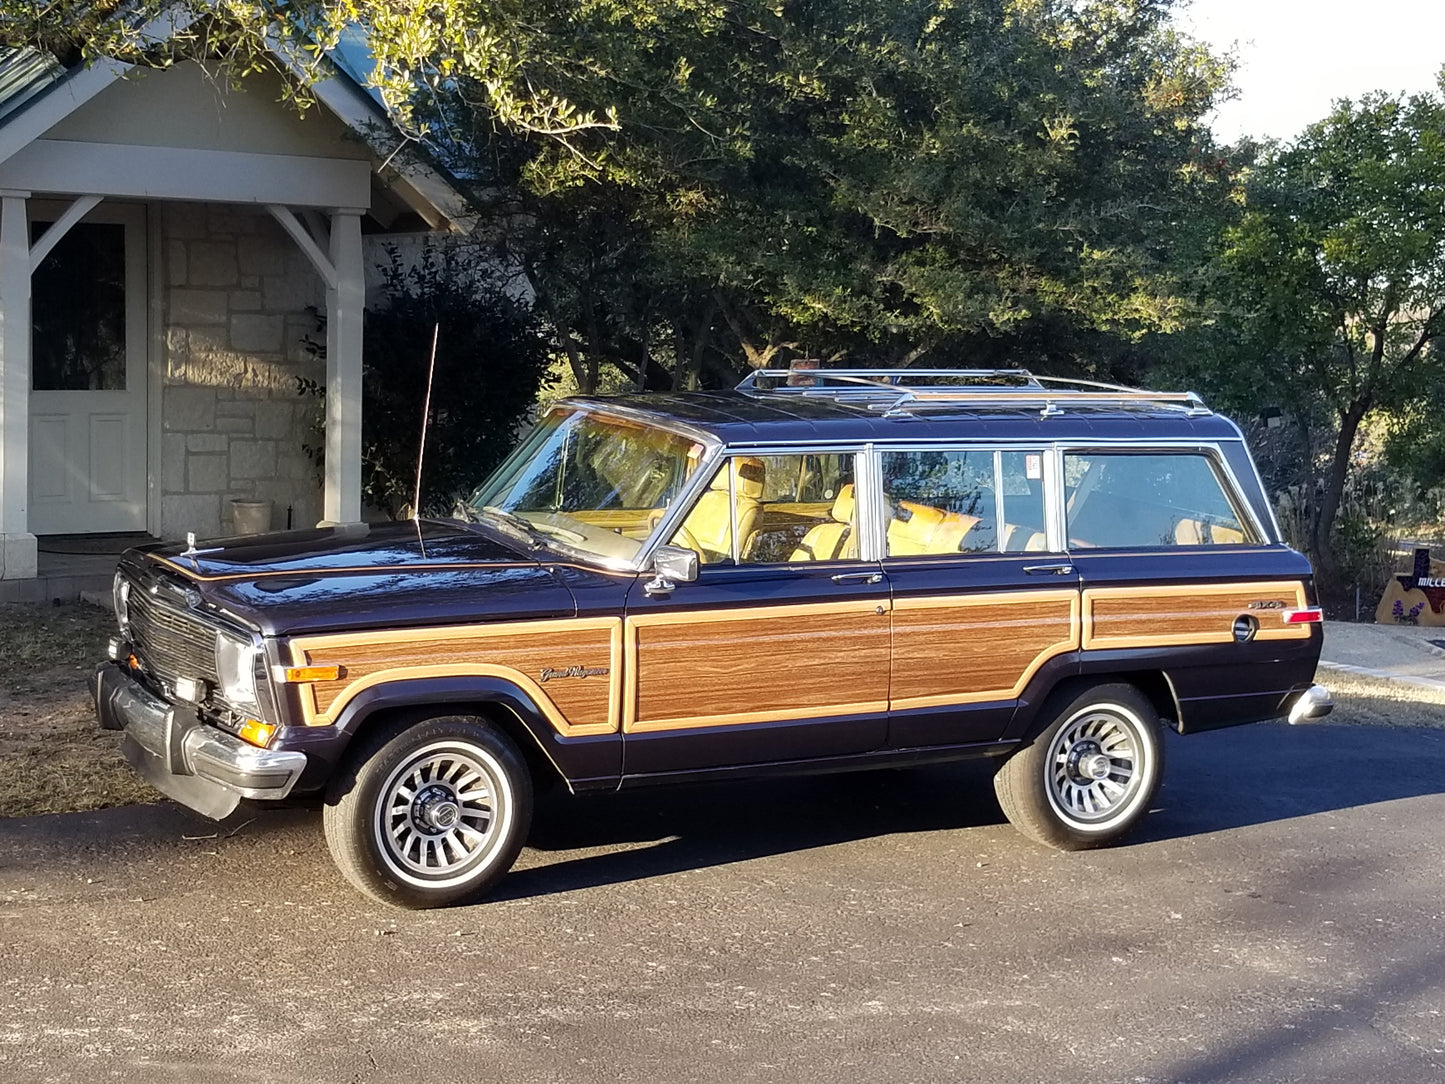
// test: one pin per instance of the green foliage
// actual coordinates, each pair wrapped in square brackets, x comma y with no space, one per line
[491,360]
[694,186]
[919,180]
[1330,286]
[491,363]
[422,50]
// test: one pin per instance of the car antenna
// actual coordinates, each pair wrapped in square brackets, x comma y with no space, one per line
[431,369]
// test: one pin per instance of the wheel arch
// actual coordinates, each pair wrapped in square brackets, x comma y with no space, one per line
[1035,706]
[505,705]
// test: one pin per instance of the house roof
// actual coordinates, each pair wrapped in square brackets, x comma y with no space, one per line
[38,92]
[24,73]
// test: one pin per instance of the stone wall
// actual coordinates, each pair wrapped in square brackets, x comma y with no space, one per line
[235,319]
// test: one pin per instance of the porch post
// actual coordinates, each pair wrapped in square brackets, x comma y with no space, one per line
[345,298]
[17,544]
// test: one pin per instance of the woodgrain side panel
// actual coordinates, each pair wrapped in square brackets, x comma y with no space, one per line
[757,665]
[1117,617]
[572,668]
[976,648]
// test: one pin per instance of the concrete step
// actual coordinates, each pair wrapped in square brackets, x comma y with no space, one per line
[58,588]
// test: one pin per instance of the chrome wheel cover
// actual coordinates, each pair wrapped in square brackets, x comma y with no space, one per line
[1098,766]
[442,814]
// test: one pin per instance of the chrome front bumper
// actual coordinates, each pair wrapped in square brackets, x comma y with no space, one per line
[199,766]
[1314,703]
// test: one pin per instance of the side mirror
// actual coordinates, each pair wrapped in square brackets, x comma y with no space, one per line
[671,565]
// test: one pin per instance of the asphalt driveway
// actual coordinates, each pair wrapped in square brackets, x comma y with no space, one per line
[1282,918]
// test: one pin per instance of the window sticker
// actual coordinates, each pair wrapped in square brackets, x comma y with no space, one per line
[1033,467]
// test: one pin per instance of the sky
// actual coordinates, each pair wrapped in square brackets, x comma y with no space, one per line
[1298,56]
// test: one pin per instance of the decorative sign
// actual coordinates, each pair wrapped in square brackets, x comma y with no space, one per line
[1416,597]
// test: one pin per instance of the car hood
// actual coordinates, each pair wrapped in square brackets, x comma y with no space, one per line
[365,576]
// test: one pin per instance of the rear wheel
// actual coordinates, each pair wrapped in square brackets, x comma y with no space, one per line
[429,814]
[1090,775]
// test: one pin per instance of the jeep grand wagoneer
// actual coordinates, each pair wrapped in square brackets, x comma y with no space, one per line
[819,569]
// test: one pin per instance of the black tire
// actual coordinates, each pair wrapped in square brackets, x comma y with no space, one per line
[1090,775]
[429,814]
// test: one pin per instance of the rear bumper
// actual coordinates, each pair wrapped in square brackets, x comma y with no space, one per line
[197,765]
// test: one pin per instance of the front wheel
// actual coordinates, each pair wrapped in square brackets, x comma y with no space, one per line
[1090,775]
[429,814]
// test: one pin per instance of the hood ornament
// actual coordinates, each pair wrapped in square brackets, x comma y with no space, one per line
[191,551]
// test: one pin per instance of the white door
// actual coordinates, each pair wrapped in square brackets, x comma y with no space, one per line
[88,375]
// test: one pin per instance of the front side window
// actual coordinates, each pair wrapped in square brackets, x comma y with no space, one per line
[943,503]
[590,482]
[1145,500]
[775,509]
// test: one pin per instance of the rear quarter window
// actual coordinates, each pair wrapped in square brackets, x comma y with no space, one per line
[1134,500]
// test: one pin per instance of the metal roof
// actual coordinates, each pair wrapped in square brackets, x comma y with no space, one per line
[24,73]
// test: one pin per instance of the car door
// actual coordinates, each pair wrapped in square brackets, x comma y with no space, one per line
[779,651]
[1160,537]
[984,598]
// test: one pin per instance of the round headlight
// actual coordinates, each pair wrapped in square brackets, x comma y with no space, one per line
[236,671]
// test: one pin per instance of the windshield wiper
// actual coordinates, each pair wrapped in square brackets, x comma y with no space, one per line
[518,523]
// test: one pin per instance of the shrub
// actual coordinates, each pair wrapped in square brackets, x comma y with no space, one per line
[491,360]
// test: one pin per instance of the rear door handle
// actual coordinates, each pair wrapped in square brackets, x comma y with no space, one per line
[858,577]
[1062,569]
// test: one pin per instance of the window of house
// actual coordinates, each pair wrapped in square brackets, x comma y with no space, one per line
[78,310]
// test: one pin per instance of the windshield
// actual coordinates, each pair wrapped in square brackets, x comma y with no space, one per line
[591,482]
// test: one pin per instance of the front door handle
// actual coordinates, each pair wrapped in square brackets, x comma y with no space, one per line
[1061,569]
[858,577]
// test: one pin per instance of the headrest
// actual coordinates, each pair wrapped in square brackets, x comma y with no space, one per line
[750,474]
[843,505]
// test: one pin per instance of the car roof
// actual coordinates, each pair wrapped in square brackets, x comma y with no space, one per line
[738,418]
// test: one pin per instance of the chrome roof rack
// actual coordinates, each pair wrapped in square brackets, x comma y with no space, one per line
[902,391]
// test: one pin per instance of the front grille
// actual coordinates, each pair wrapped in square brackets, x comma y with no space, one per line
[168,638]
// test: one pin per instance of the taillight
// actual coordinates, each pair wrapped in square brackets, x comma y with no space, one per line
[1308,615]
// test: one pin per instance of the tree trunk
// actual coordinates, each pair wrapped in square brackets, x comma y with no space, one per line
[1327,564]
[565,337]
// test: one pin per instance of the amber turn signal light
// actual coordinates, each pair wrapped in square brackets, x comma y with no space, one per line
[256,732]
[309,673]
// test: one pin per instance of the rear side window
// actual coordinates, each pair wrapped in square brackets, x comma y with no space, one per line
[1147,500]
[943,503]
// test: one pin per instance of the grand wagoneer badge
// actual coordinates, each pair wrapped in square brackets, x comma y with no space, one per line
[549,672]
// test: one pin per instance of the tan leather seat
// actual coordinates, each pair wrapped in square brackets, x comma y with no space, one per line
[1196,532]
[833,540]
[919,529]
[1017,538]
[708,527]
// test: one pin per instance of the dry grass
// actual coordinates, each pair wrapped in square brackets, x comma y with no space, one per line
[1361,699]
[53,756]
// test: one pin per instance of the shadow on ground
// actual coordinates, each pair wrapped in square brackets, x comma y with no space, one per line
[1213,782]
